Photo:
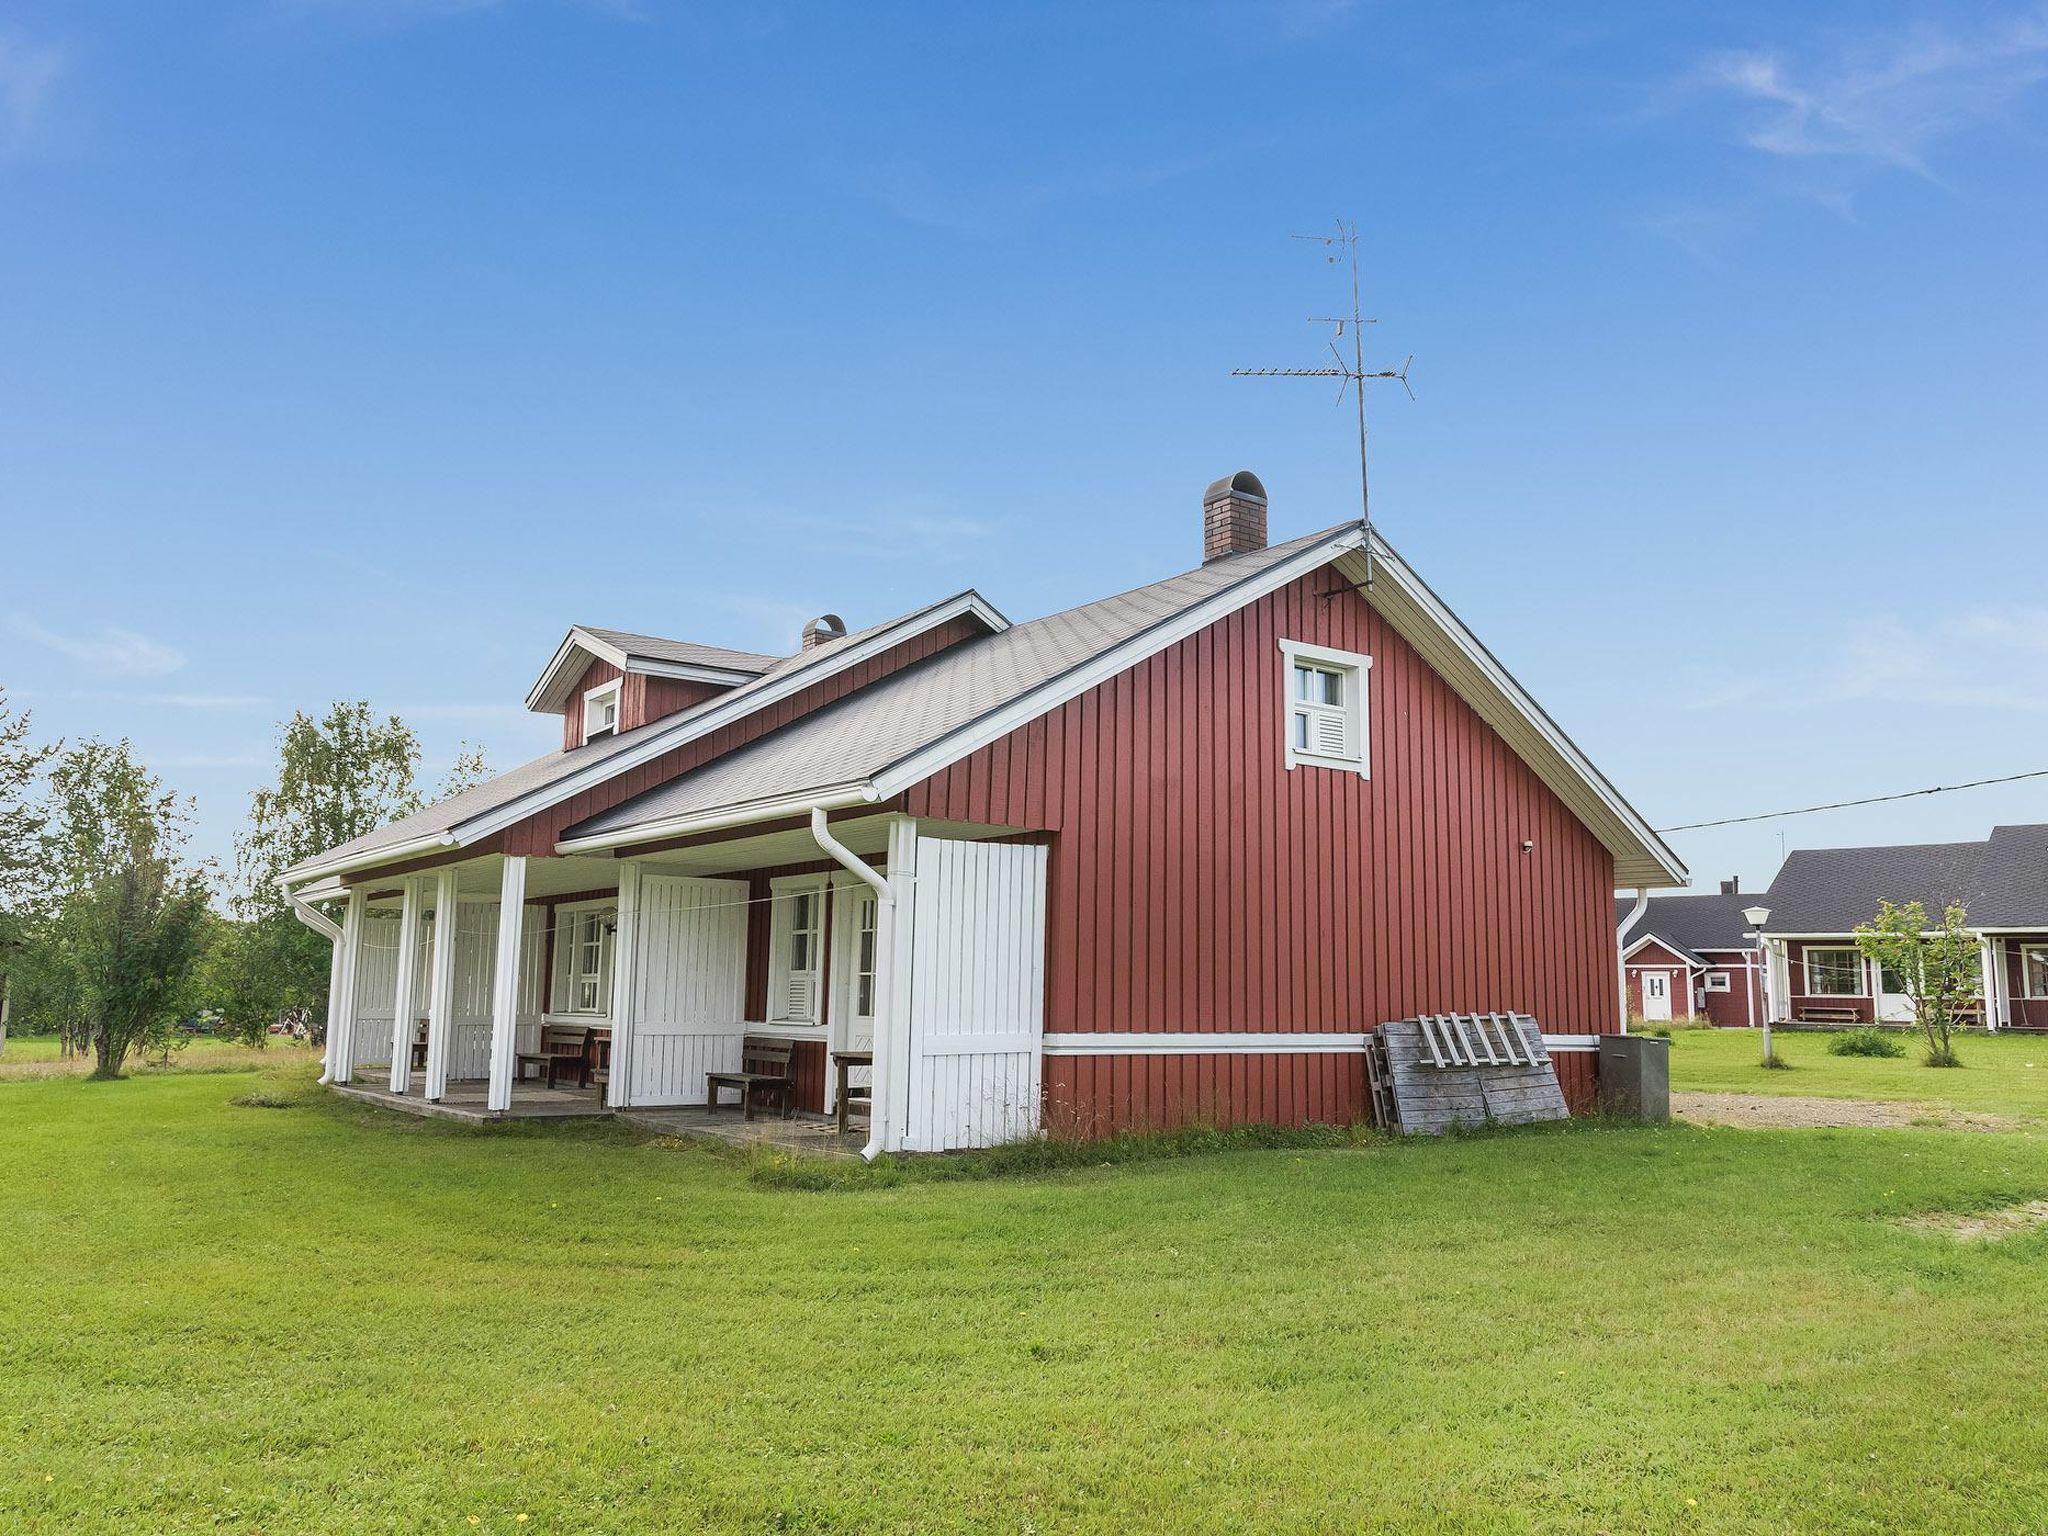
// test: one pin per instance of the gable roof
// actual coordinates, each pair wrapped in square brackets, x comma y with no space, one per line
[877,742]
[1671,946]
[533,786]
[640,653]
[2001,882]
[1691,924]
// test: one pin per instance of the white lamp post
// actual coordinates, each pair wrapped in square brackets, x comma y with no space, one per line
[1756,917]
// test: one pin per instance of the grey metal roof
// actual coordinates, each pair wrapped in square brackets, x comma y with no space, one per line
[683,652]
[850,741]
[554,767]
[1694,923]
[2001,882]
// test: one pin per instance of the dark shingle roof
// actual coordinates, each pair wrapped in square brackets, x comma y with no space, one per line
[688,652]
[2001,882]
[1693,923]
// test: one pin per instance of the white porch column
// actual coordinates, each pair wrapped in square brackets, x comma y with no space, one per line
[505,982]
[895,935]
[337,955]
[441,985]
[1988,966]
[404,1003]
[341,1003]
[625,967]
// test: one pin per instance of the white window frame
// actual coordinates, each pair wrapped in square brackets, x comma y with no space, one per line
[1356,670]
[1862,971]
[569,921]
[1716,981]
[783,892]
[2026,974]
[595,700]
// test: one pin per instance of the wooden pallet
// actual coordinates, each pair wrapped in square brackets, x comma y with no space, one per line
[1431,1073]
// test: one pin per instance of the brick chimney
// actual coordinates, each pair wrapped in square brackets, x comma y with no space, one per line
[1233,516]
[1732,886]
[826,626]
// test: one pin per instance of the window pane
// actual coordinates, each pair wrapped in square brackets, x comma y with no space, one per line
[1300,731]
[2037,972]
[1834,972]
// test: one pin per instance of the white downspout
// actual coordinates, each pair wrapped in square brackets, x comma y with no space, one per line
[329,930]
[885,896]
[1635,916]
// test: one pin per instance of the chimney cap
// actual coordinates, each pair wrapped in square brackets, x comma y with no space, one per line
[1243,483]
[826,626]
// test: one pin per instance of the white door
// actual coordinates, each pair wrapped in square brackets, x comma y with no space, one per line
[855,947]
[1894,1006]
[1656,995]
[689,987]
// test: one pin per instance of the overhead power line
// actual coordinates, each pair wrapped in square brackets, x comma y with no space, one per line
[1838,805]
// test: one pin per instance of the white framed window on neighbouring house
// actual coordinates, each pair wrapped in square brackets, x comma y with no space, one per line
[796,948]
[1834,972]
[2034,970]
[601,710]
[1717,981]
[1327,719]
[583,959]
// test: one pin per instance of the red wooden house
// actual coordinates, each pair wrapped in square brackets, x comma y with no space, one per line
[1691,958]
[1158,859]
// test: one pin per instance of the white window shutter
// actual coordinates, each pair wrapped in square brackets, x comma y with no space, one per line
[1330,737]
[800,998]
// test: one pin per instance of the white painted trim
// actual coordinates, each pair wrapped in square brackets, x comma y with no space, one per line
[1201,1043]
[2025,995]
[927,760]
[888,1109]
[396,853]
[1572,1042]
[405,1006]
[782,890]
[835,799]
[1862,970]
[625,965]
[1663,944]
[616,688]
[341,1022]
[552,682]
[505,981]
[441,984]
[1356,709]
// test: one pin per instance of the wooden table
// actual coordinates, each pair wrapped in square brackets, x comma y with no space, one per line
[844,1062]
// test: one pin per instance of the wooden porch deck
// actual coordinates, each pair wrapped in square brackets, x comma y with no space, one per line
[804,1133]
[468,1101]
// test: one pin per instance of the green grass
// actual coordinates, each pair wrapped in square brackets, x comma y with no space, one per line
[36,1056]
[2001,1074]
[331,1318]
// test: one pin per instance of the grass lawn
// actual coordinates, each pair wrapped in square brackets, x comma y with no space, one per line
[330,1318]
[2001,1074]
[30,1056]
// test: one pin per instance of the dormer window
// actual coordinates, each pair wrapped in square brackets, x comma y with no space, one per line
[601,711]
[1326,715]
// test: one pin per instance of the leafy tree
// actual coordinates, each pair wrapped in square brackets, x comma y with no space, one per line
[112,953]
[340,776]
[1938,969]
[21,832]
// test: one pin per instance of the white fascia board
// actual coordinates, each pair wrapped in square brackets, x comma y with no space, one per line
[1663,944]
[836,798]
[688,671]
[1479,678]
[716,713]
[578,639]
[370,858]
[1083,675]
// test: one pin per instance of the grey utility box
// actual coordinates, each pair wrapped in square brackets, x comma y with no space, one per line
[1635,1077]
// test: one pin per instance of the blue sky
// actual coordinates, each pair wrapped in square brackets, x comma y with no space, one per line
[356,347]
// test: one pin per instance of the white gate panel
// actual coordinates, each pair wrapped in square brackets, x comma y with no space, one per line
[977,998]
[376,988]
[476,959]
[689,987]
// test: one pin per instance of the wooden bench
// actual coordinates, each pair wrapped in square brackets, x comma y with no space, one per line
[419,1046]
[764,1068]
[1829,1013]
[562,1054]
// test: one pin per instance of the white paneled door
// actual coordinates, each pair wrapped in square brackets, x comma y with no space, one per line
[689,987]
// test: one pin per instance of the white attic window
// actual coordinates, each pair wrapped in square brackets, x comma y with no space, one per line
[601,710]
[1326,707]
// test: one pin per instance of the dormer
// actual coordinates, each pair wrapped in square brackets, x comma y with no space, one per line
[604,682]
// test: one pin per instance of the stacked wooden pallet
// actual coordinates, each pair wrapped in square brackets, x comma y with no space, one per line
[1430,1073]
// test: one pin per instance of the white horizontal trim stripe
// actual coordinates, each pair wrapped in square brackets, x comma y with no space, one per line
[1199,1043]
[1571,1042]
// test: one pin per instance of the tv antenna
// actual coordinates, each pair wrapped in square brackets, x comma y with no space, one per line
[1351,374]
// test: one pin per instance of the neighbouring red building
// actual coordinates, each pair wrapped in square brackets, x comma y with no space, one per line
[1162,858]
[1690,959]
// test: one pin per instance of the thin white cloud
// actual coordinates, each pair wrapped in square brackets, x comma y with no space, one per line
[1888,102]
[29,73]
[1982,659]
[112,650]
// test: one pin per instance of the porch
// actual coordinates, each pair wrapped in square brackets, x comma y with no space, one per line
[507,987]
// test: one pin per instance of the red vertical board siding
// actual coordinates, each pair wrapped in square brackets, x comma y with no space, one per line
[1677,976]
[1197,884]
[1578,1073]
[596,675]
[536,836]
[1734,1008]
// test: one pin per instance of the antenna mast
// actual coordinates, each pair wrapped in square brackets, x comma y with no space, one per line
[1351,373]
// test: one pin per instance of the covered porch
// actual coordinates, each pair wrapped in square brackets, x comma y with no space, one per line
[502,986]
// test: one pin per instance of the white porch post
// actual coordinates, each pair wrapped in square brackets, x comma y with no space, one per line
[441,985]
[337,955]
[341,1005]
[895,939]
[404,1003]
[625,966]
[1989,982]
[505,982]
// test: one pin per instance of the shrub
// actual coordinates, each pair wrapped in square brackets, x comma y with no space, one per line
[1865,1042]
[270,1098]
[1943,1055]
